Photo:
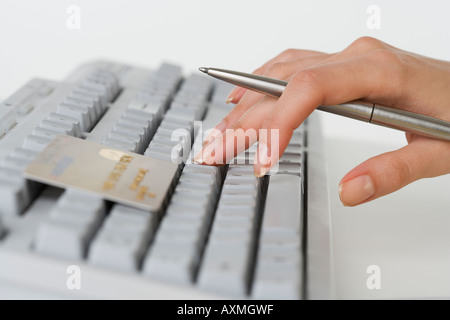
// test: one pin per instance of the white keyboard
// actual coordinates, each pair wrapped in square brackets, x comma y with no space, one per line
[221,233]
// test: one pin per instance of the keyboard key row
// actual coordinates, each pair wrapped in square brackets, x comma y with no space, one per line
[279,262]
[173,139]
[73,117]
[132,131]
[156,93]
[227,259]
[179,241]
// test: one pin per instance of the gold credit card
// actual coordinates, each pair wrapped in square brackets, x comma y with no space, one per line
[123,177]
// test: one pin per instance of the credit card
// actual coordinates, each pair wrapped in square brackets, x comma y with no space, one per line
[123,177]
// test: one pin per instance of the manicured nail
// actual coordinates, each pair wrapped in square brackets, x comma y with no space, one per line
[262,161]
[262,172]
[263,154]
[199,157]
[356,190]
[205,156]
[231,95]
[215,133]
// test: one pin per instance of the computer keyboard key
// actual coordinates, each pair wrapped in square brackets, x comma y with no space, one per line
[94,94]
[171,262]
[8,123]
[181,223]
[179,237]
[13,197]
[237,213]
[15,191]
[65,128]
[241,226]
[151,104]
[187,209]
[158,155]
[47,133]
[194,168]
[293,149]
[224,269]
[278,281]
[25,108]
[70,225]
[135,125]
[283,209]
[36,143]
[127,138]
[230,238]
[88,107]
[123,238]
[99,87]
[297,139]
[99,103]
[92,104]
[287,168]
[16,162]
[70,121]
[291,158]
[83,202]
[135,130]
[24,153]
[279,254]
[123,217]
[75,216]
[125,145]
[118,250]
[62,239]
[79,113]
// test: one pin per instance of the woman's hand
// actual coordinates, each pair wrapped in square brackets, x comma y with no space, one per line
[367,69]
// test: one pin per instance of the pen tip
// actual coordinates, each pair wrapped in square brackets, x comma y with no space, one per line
[203,69]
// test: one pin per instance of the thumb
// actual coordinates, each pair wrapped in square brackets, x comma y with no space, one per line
[388,172]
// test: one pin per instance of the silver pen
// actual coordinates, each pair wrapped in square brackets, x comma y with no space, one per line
[358,109]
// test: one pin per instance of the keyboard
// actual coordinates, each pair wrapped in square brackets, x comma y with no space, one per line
[220,231]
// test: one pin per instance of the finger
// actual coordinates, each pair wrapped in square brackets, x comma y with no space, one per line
[250,98]
[235,95]
[388,172]
[327,84]
[276,68]
[358,47]
[235,140]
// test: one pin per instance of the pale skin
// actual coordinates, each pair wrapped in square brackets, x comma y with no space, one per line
[367,69]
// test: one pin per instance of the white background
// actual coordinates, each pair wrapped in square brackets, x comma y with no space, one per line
[391,232]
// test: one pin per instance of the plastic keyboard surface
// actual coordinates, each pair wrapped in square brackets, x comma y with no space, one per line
[222,232]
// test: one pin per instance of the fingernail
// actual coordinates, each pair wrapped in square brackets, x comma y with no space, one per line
[215,133]
[263,154]
[262,172]
[355,191]
[230,96]
[262,161]
[205,156]
[199,157]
